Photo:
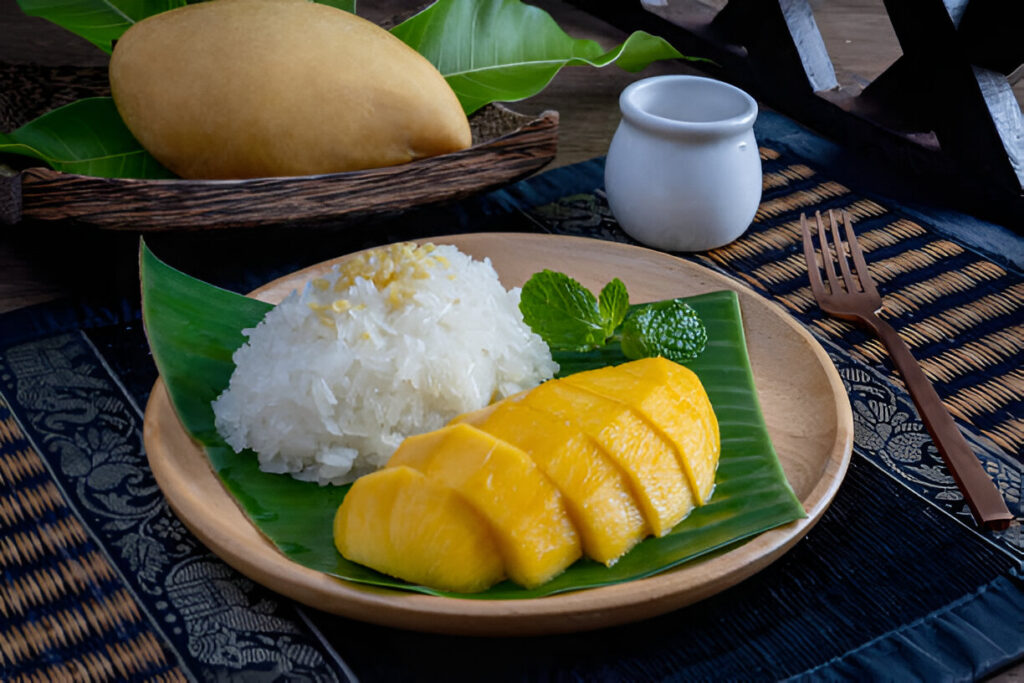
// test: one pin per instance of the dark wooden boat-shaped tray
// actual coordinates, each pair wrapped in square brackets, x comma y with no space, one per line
[507,146]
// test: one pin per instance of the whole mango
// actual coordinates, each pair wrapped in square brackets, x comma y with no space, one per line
[256,88]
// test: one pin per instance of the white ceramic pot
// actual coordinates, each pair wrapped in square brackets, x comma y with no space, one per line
[683,170]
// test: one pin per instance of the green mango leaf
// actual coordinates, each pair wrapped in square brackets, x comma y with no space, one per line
[347,5]
[194,328]
[87,137]
[504,50]
[101,22]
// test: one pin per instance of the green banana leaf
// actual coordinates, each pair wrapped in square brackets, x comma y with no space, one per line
[194,328]
[86,137]
[503,50]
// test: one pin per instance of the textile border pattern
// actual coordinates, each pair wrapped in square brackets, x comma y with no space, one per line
[100,577]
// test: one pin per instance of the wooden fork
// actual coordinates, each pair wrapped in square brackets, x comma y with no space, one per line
[851,295]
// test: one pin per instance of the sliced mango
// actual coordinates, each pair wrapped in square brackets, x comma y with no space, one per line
[596,492]
[401,523]
[672,399]
[527,514]
[590,463]
[648,460]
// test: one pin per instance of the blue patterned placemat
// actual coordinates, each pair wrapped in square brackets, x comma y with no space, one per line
[100,578]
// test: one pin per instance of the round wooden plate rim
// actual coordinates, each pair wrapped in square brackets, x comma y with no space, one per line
[164,436]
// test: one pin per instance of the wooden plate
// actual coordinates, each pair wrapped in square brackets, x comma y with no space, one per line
[507,146]
[803,400]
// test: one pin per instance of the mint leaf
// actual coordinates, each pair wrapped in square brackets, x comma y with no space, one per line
[562,311]
[613,304]
[567,317]
[668,328]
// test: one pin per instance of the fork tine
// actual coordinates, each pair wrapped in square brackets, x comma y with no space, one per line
[813,273]
[863,273]
[826,255]
[844,262]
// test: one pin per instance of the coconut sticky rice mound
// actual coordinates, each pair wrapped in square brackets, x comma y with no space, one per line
[394,342]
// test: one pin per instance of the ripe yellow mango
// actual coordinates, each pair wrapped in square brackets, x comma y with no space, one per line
[254,88]
[596,491]
[672,399]
[526,512]
[648,460]
[401,523]
[598,459]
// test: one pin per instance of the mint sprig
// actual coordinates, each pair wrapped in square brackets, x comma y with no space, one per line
[566,314]
[664,328]
[568,317]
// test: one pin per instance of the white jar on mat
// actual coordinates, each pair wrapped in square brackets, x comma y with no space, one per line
[683,171]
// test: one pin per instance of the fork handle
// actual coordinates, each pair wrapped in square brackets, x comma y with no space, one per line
[987,505]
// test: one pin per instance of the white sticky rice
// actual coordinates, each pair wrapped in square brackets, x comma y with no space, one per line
[393,343]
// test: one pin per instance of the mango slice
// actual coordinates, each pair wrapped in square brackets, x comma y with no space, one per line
[401,523]
[526,512]
[596,491]
[648,460]
[672,399]
[682,380]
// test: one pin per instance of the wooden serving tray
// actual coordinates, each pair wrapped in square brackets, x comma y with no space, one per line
[507,146]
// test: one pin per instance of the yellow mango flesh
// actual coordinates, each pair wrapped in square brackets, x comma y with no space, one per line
[401,523]
[527,514]
[671,398]
[596,492]
[258,88]
[683,381]
[648,460]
